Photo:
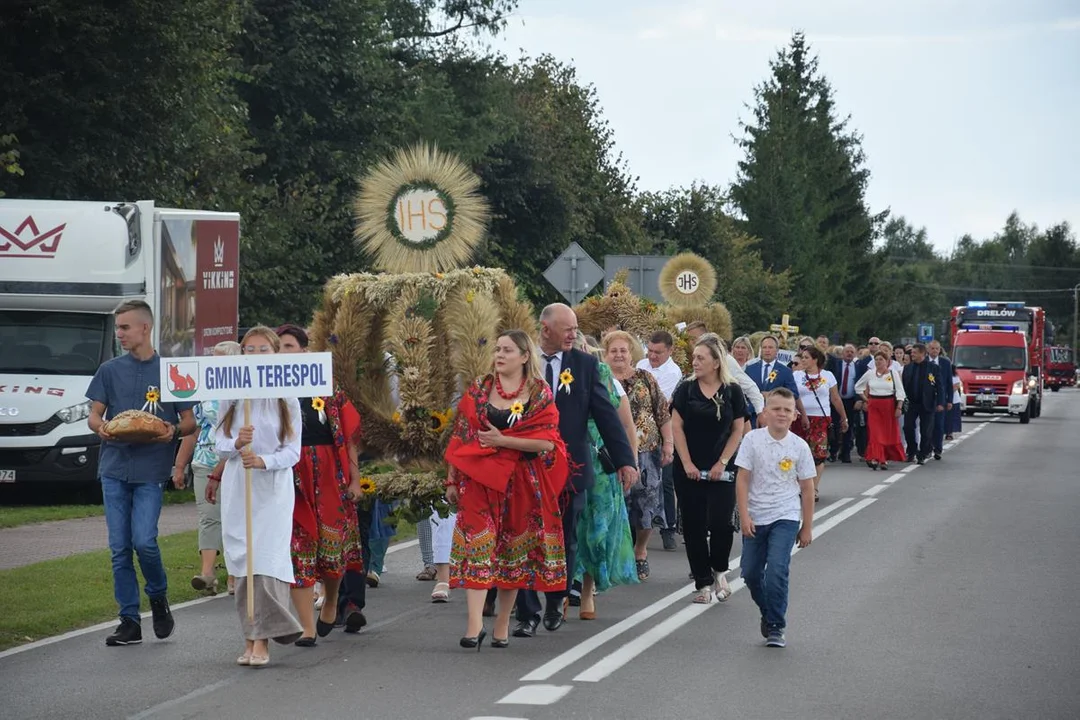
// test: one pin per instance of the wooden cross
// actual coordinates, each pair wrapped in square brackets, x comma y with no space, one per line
[784,327]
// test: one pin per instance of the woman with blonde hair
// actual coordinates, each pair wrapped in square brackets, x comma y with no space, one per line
[605,548]
[269,446]
[742,350]
[206,469]
[708,418]
[508,465]
[652,422]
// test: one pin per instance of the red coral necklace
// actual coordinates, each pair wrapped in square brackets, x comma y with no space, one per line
[509,396]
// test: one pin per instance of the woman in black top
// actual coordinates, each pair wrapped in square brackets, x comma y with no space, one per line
[707,416]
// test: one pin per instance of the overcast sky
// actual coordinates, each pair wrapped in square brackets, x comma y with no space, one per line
[969,109]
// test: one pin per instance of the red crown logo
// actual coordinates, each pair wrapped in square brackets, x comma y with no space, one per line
[28,242]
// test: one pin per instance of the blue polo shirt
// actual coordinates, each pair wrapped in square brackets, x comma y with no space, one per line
[121,384]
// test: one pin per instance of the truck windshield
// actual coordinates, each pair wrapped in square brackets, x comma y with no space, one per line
[1061,355]
[50,343]
[989,357]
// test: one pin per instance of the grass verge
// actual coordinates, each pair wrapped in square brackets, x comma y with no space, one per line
[15,515]
[56,596]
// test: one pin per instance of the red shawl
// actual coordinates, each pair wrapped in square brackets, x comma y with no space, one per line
[493,467]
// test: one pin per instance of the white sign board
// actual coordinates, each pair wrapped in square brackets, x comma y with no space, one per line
[246,377]
[785,356]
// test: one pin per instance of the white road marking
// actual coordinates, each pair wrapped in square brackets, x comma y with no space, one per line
[177,702]
[910,467]
[871,492]
[893,478]
[623,655]
[536,695]
[571,656]
[402,545]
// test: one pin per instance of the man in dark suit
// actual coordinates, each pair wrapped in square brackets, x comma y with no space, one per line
[925,393]
[574,377]
[945,373]
[862,365]
[767,373]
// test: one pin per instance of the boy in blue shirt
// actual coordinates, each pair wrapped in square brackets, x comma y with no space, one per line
[776,467]
[133,474]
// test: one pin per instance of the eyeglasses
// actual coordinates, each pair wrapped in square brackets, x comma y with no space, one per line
[873,342]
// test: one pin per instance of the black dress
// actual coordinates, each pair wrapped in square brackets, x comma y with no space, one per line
[706,505]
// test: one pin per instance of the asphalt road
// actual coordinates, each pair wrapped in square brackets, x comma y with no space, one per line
[946,591]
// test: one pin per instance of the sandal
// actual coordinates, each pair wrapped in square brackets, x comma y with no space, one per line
[720,587]
[427,574]
[703,596]
[642,569]
[441,593]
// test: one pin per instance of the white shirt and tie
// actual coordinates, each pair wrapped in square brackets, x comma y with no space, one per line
[766,368]
[847,378]
[553,368]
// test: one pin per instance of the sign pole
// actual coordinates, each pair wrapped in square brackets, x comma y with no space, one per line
[247,529]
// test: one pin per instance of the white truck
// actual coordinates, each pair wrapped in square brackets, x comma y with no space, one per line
[64,267]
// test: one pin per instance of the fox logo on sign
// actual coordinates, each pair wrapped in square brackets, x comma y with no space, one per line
[182,379]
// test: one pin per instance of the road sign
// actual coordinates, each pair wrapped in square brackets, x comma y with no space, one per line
[926,332]
[643,273]
[574,273]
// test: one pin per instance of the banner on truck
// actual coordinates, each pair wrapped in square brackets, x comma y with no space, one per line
[246,377]
[199,288]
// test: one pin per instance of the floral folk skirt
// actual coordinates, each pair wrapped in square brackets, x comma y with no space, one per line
[326,534]
[507,540]
[816,436]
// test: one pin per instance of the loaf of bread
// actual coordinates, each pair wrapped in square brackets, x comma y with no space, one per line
[135,426]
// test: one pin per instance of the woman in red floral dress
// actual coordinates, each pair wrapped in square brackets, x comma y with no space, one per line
[508,466]
[326,534]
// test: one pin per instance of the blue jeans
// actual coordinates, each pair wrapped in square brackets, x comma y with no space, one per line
[766,558]
[131,514]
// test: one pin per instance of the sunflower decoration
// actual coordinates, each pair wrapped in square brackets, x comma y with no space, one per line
[888,378]
[396,417]
[420,211]
[786,464]
[930,377]
[441,420]
[319,406]
[153,397]
[566,378]
[687,280]
[516,411]
[367,485]
[772,376]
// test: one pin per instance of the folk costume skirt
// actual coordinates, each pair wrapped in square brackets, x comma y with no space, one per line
[508,540]
[883,443]
[326,535]
[816,436]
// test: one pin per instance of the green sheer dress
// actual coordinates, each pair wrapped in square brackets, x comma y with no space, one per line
[605,549]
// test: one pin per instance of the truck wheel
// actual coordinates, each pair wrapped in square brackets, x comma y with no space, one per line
[1025,417]
[1054,388]
[969,413]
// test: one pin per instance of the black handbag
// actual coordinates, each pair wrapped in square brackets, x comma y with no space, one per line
[606,463]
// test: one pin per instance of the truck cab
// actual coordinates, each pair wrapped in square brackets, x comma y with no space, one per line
[64,267]
[998,352]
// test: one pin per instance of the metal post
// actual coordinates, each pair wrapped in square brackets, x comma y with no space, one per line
[573,281]
[1076,340]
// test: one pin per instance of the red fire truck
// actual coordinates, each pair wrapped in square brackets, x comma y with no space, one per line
[1060,368]
[997,350]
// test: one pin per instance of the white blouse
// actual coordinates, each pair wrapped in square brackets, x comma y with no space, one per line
[884,386]
[820,406]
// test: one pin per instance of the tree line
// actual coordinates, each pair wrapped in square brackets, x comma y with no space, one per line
[275,108]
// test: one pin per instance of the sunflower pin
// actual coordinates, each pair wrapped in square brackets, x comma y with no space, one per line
[888,378]
[930,377]
[153,396]
[565,379]
[516,411]
[772,376]
[319,405]
[786,464]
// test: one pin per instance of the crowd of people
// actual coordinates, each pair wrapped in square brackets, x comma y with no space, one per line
[562,462]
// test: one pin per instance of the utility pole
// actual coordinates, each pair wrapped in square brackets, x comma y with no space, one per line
[1076,306]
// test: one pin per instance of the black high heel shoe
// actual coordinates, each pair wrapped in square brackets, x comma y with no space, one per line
[474,642]
[323,628]
[501,644]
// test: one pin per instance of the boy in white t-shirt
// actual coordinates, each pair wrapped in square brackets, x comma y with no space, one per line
[775,468]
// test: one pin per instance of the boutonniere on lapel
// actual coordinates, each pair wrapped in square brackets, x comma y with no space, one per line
[516,411]
[930,377]
[153,396]
[565,379]
[319,405]
[772,376]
